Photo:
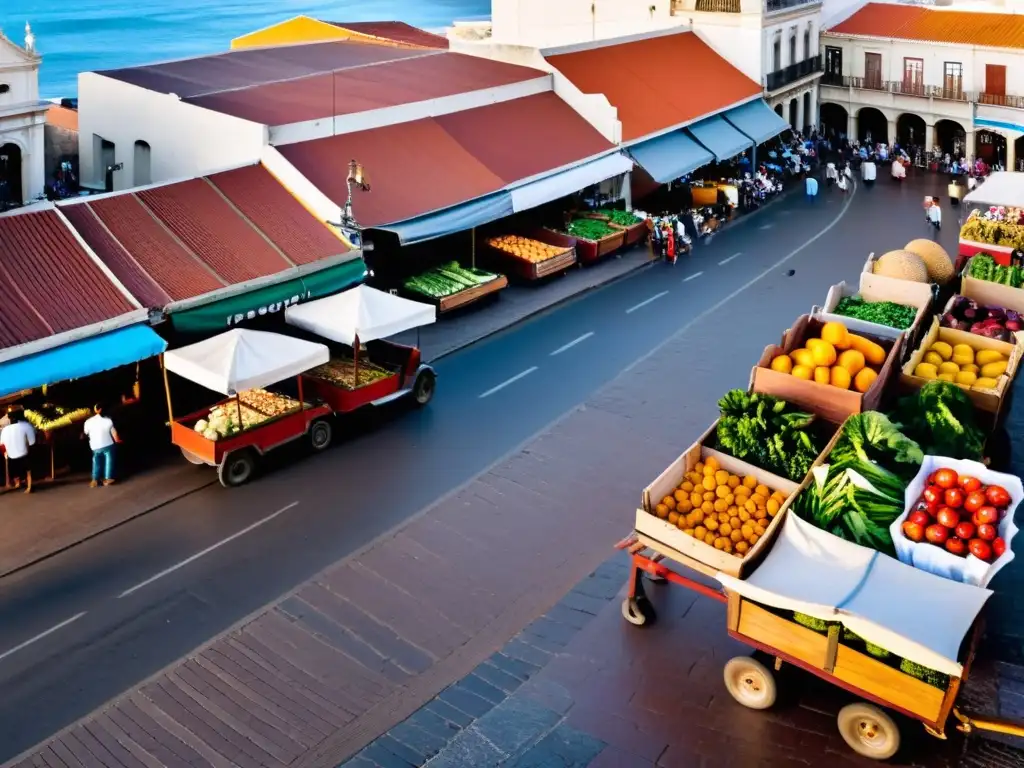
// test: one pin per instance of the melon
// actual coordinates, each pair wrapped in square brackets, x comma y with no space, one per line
[902,265]
[936,260]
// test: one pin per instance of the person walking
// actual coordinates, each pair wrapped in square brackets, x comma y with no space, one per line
[811,185]
[102,439]
[935,218]
[17,439]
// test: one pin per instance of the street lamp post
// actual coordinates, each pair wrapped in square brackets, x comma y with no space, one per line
[347,222]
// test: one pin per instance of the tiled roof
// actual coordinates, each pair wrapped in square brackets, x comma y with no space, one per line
[430,75]
[62,117]
[935,25]
[394,31]
[641,80]
[48,283]
[426,165]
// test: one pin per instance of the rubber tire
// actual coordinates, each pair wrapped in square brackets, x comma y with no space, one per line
[321,433]
[638,611]
[750,682]
[237,468]
[854,719]
[423,388]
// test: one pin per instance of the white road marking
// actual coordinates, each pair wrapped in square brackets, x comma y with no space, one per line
[572,343]
[40,636]
[766,226]
[505,383]
[207,551]
[694,276]
[726,261]
[645,302]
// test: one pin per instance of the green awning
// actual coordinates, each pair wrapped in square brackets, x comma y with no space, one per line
[227,313]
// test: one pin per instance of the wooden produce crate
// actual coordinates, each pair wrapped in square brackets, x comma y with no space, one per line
[989,294]
[592,250]
[534,270]
[634,233]
[468,296]
[831,403]
[988,400]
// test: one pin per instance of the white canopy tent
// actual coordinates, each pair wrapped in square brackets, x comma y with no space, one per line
[361,314]
[1005,188]
[242,359]
[909,612]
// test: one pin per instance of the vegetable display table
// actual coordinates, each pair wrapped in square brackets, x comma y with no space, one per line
[450,285]
[533,257]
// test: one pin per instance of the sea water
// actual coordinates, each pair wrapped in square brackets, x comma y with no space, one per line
[84,35]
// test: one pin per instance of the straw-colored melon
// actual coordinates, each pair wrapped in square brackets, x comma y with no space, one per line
[902,265]
[936,260]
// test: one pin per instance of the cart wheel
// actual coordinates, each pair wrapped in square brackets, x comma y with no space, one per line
[191,458]
[321,434]
[750,682]
[423,389]
[237,468]
[869,731]
[638,611]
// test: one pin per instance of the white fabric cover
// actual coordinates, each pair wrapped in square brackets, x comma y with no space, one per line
[242,359]
[1000,188]
[362,311]
[569,181]
[908,612]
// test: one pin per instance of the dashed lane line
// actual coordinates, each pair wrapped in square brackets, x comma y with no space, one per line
[572,343]
[505,383]
[694,276]
[730,258]
[645,302]
[40,636]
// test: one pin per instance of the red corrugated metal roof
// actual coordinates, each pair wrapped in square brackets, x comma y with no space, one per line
[212,229]
[395,31]
[48,283]
[432,75]
[935,25]
[642,80]
[274,211]
[524,137]
[179,273]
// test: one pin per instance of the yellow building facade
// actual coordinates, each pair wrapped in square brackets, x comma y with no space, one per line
[303,29]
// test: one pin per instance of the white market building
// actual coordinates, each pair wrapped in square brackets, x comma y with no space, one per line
[22,118]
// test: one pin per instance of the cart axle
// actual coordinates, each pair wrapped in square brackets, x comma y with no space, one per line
[991,724]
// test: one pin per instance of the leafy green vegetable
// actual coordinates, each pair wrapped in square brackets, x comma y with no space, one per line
[622,218]
[818,625]
[446,279]
[940,417]
[930,676]
[882,312]
[873,446]
[767,432]
[984,267]
[589,229]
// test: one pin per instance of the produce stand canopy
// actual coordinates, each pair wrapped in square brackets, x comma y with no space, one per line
[756,120]
[569,181]
[720,137]
[457,218]
[81,358]
[241,359]
[907,611]
[670,156]
[1004,188]
[363,311]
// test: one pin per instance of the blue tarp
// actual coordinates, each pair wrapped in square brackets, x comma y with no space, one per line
[756,120]
[458,218]
[724,141]
[670,156]
[81,358]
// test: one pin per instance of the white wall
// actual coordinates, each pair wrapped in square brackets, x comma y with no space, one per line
[184,140]
[735,37]
[548,23]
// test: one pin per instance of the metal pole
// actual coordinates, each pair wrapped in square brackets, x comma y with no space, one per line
[472,248]
[167,392]
[355,363]
[238,402]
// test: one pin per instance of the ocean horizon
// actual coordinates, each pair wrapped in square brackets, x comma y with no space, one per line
[87,35]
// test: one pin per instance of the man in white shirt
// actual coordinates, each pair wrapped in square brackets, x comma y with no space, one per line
[102,438]
[16,439]
[935,217]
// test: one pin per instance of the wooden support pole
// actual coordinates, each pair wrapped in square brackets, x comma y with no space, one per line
[167,392]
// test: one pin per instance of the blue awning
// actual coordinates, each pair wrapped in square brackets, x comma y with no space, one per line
[448,221]
[756,120]
[81,358]
[724,141]
[670,156]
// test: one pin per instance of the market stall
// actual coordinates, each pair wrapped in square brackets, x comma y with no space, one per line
[592,238]
[995,223]
[255,416]
[540,254]
[364,367]
[450,286]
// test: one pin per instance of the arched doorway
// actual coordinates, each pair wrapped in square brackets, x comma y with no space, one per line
[778,110]
[1018,153]
[872,126]
[141,174]
[792,114]
[10,176]
[950,137]
[834,119]
[990,147]
[910,130]
[809,119]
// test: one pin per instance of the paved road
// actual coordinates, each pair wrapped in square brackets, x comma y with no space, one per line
[79,628]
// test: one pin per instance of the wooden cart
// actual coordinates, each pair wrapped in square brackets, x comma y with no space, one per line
[865,725]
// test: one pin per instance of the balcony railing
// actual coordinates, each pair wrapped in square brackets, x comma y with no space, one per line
[900,87]
[782,5]
[1001,100]
[718,6]
[780,78]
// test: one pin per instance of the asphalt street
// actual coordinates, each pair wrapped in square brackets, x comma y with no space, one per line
[81,627]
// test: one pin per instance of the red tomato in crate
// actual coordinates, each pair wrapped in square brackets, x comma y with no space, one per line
[965,531]
[975,501]
[980,549]
[986,515]
[933,494]
[956,546]
[987,532]
[946,478]
[913,531]
[970,484]
[920,518]
[931,479]
[948,517]
[936,534]
[997,496]
[998,546]
[954,497]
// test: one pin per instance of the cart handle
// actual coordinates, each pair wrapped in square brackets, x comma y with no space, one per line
[992,724]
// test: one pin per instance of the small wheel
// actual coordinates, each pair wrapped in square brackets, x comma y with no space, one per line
[869,731]
[321,434]
[423,388]
[191,458]
[750,682]
[237,469]
[638,611]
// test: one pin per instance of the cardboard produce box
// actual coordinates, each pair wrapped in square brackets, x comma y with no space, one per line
[869,281]
[989,400]
[668,539]
[831,403]
[917,295]
[989,294]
